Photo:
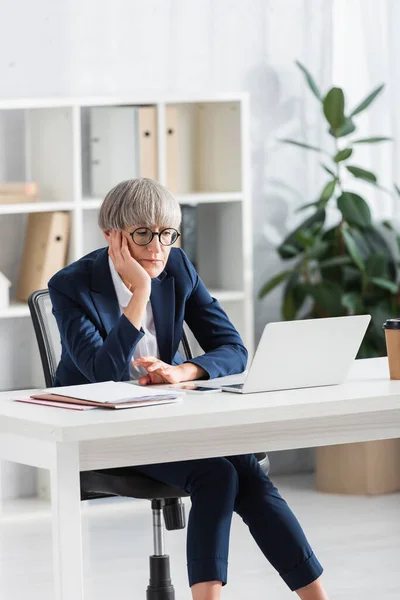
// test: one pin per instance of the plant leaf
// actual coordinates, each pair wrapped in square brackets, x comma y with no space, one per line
[310,80]
[290,250]
[376,265]
[367,101]
[352,249]
[397,188]
[354,209]
[362,173]
[273,283]
[336,261]
[328,191]
[377,243]
[328,296]
[334,108]
[305,239]
[388,225]
[373,140]
[308,205]
[319,249]
[300,144]
[328,170]
[288,307]
[344,130]
[316,220]
[294,287]
[343,154]
[352,301]
[385,284]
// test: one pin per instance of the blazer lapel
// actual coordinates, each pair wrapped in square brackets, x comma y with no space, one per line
[103,292]
[163,305]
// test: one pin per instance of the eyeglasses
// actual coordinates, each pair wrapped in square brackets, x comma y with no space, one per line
[144,236]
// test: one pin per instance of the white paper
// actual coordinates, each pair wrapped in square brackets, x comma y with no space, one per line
[109,392]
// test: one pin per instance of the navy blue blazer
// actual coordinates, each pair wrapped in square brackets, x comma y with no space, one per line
[98,342]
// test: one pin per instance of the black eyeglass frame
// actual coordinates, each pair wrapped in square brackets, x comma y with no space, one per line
[153,233]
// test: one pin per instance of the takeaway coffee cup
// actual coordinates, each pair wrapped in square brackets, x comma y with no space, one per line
[392,335]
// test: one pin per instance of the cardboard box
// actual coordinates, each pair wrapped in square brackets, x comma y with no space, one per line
[364,468]
[45,251]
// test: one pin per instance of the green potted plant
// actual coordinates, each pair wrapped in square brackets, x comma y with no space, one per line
[349,268]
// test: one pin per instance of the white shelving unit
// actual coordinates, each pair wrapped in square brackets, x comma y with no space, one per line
[49,140]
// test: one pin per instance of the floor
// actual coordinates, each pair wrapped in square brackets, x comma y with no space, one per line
[356,539]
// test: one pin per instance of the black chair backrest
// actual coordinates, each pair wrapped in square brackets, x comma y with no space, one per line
[47,334]
[48,337]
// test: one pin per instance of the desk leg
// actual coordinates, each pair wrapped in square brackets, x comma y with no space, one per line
[67,529]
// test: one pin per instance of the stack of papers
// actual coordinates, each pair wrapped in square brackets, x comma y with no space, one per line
[108,394]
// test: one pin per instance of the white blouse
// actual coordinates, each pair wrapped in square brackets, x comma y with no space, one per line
[147,346]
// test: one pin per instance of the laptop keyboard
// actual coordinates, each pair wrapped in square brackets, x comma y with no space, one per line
[237,386]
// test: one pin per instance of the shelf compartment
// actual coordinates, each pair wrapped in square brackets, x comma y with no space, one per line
[205,155]
[50,152]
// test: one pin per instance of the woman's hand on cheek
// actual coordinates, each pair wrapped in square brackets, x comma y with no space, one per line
[158,371]
[128,268]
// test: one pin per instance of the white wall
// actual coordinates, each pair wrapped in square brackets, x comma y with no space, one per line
[90,47]
[75,47]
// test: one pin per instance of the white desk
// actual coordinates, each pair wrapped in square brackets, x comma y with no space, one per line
[366,407]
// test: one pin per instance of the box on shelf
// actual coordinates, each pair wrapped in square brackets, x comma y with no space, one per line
[18,193]
[5,285]
[45,251]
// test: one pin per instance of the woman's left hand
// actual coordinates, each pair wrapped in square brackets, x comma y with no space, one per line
[158,371]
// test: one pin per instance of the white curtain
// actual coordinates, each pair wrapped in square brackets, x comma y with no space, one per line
[282,106]
[366,53]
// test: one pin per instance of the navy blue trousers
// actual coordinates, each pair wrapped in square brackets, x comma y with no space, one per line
[219,486]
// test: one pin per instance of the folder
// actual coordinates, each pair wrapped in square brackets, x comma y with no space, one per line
[108,394]
[114,146]
[45,251]
[148,142]
[171,118]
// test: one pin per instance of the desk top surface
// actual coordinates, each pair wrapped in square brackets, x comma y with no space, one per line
[367,389]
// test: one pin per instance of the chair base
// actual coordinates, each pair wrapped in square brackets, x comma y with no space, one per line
[160,586]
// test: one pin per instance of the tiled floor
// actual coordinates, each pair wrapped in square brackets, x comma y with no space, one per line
[356,539]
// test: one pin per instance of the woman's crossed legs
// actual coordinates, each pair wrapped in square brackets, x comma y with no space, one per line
[219,486]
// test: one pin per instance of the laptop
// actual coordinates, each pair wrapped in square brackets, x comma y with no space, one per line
[304,353]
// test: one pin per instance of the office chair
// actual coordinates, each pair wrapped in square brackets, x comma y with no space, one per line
[166,501]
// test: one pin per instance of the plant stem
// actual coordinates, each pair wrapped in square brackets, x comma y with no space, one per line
[339,183]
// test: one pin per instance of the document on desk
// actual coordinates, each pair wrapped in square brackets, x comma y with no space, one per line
[109,394]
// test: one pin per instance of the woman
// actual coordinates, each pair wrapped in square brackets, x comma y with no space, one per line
[120,311]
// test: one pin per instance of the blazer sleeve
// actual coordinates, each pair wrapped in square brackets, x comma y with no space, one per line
[225,353]
[98,359]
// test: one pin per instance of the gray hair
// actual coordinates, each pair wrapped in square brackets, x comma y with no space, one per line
[142,202]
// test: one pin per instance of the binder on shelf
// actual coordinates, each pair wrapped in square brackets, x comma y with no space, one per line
[148,142]
[18,192]
[171,119]
[189,232]
[45,251]
[123,145]
[114,146]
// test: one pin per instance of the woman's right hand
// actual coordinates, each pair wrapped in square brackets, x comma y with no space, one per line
[127,267]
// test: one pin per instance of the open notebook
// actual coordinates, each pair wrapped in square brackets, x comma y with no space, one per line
[107,394]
